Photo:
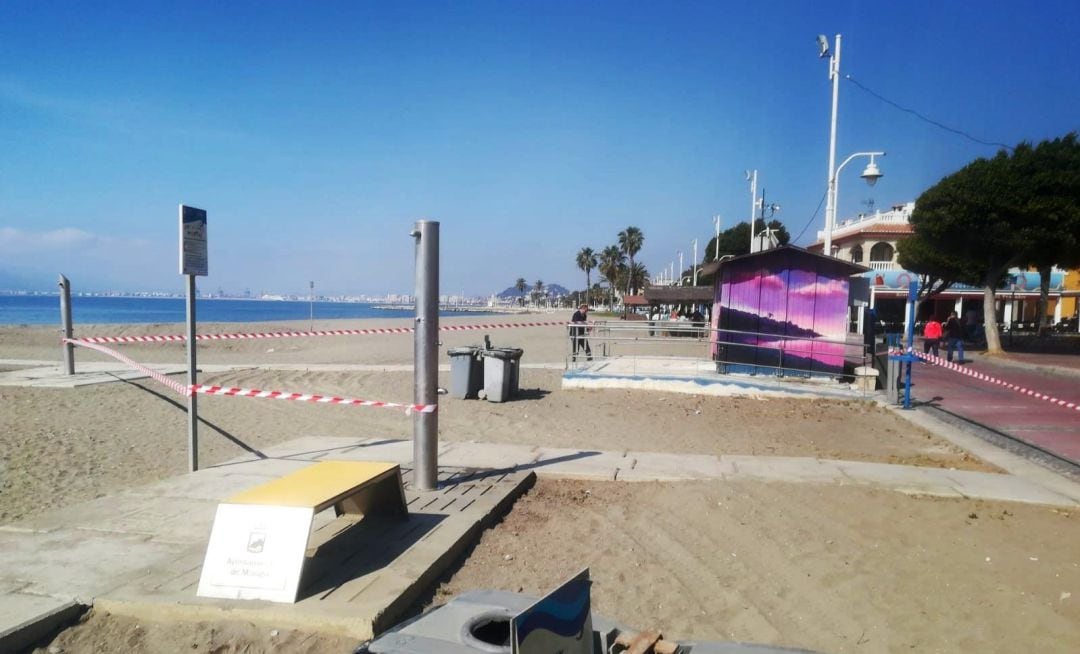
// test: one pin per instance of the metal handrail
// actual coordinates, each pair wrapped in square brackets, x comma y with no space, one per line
[601,333]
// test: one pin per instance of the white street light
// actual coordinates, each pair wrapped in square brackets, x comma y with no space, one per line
[871,174]
[716,220]
[752,178]
[695,262]
[680,268]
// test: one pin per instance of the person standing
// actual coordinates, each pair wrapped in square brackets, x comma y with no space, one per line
[578,329]
[932,336]
[954,337]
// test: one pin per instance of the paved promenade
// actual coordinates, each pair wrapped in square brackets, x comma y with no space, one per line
[1034,421]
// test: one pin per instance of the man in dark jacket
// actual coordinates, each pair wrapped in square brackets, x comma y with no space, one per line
[954,337]
[578,331]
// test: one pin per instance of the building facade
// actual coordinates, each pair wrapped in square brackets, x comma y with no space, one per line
[871,240]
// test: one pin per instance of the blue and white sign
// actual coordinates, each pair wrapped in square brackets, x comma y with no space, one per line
[193,258]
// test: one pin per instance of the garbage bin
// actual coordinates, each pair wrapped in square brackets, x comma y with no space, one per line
[501,372]
[466,372]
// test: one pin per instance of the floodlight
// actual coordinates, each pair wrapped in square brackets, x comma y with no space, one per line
[823,46]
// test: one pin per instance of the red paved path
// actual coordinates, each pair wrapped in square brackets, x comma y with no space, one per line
[1035,421]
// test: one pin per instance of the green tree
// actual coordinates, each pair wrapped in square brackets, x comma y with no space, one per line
[937,270]
[1019,209]
[1051,200]
[736,240]
[586,260]
[538,292]
[630,241]
[611,258]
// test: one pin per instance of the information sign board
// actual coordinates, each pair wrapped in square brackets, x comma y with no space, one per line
[256,552]
[193,257]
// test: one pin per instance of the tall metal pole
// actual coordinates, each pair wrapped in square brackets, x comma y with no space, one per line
[716,219]
[830,202]
[65,322]
[695,262]
[681,269]
[913,291]
[425,356]
[753,206]
[193,399]
[311,305]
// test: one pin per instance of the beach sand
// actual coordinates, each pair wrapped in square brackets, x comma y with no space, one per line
[839,568]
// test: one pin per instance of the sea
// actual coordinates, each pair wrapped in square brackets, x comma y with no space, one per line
[45,310]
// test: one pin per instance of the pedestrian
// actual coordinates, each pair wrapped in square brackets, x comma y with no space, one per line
[578,340]
[932,336]
[954,337]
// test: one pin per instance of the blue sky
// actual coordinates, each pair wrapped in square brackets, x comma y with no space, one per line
[316,133]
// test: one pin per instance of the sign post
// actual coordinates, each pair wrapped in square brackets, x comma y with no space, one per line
[193,263]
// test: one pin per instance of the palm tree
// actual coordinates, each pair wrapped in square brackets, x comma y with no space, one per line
[538,290]
[610,259]
[521,285]
[639,275]
[586,260]
[630,241]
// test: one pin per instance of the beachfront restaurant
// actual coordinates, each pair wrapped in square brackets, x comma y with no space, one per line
[784,311]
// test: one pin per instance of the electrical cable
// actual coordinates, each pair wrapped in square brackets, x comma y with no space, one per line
[924,118]
[811,221]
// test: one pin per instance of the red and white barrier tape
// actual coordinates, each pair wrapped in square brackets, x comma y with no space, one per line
[993,380]
[304,397]
[154,374]
[180,338]
[187,390]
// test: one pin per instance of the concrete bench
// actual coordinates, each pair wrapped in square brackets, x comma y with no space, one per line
[351,487]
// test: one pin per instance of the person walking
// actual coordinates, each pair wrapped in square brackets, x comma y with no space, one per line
[578,329]
[954,337]
[932,336]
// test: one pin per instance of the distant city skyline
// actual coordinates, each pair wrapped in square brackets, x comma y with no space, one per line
[315,135]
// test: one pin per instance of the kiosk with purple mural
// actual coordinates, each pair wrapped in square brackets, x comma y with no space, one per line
[782,311]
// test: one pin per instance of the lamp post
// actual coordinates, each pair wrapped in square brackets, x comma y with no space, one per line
[680,268]
[751,176]
[694,263]
[716,221]
[871,174]
[311,305]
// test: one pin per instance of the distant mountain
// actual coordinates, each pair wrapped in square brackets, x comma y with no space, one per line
[553,290]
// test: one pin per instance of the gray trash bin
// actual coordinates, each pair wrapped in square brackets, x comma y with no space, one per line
[466,372]
[501,372]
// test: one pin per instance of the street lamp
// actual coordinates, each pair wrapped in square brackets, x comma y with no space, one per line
[716,221]
[680,268]
[871,174]
[752,178]
[694,262]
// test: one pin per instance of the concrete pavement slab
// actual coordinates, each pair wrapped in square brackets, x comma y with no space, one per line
[657,466]
[905,479]
[781,468]
[86,374]
[26,619]
[1005,487]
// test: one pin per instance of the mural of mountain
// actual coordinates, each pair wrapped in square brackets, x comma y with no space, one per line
[554,290]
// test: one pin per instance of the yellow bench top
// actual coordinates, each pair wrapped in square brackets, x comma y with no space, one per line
[315,486]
